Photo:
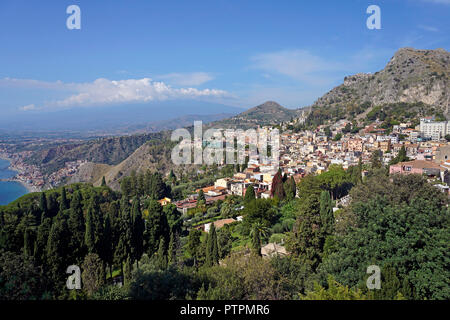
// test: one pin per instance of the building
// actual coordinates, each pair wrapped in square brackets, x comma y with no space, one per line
[434,129]
[164,201]
[218,224]
[421,167]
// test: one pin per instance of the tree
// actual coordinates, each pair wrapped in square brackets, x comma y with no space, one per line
[256,240]
[21,278]
[193,244]
[93,274]
[173,217]
[326,213]
[401,157]
[171,251]
[401,221]
[156,227]
[123,249]
[138,228]
[76,225]
[375,159]
[306,240]
[201,196]
[335,291]
[57,250]
[63,204]
[103,182]
[41,241]
[43,206]
[277,189]
[337,137]
[290,188]
[161,257]
[212,252]
[249,194]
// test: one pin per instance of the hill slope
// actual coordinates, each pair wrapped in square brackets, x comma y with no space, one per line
[411,76]
[268,113]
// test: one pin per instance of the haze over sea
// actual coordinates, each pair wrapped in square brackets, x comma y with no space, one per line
[9,190]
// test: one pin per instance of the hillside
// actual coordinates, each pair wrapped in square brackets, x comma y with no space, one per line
[411,76]
[109,151]
[268,113]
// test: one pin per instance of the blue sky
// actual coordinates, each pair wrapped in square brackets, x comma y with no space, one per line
[238,53]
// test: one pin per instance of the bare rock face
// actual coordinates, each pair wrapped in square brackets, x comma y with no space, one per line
[410,76]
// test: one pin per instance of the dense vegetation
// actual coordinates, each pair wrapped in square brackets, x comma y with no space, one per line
[400,224]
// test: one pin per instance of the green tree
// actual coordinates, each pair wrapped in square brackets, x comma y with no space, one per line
[375,159]
[138,228]
[212,251]
[249,194]
[156,227]
[326,213]
[76,225]
[401,157]
[63,204]
[103,182]
[93,273]
[193,244]
[401,221]
[290,188]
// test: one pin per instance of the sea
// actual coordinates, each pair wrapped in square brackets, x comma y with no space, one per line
[9,190]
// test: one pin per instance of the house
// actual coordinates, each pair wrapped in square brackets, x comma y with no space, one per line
[421,167]
[273,249]
[164,201]
[218,224]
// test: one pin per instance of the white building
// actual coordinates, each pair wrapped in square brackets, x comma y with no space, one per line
[435,130]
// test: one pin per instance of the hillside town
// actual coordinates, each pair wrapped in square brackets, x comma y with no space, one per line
[312,152]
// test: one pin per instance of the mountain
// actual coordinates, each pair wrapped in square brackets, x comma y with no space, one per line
[112,119]
[268,113]
[411,77]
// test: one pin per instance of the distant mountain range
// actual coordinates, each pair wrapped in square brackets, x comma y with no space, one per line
[117,120]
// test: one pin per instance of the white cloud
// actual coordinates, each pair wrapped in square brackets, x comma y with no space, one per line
[28,107]
[107,92]
[428,28]
[297,64]
[187,79]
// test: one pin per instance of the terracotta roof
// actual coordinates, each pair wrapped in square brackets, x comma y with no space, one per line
[419,164]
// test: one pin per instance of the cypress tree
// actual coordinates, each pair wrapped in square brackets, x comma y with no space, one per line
[63,205]
[138,231]
[57,249]
[43,206]
[103,182]
[215,249]
[89,238]
[41,241]
[123,249]
[326,213]
[212,252]
[28,244]
[256,241]
[171,254]
[76,226]
[161,255]
[249,194]
[156,227]
[290,188]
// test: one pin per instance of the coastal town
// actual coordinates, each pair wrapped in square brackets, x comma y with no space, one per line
[301,153]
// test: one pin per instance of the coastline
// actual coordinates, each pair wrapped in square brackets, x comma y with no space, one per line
[30,188]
